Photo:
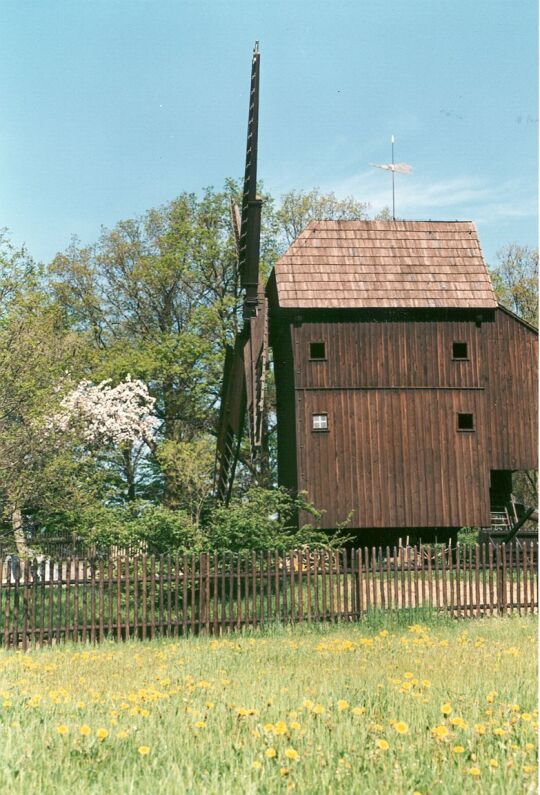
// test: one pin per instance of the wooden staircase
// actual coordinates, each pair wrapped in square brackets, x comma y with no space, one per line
[501,521]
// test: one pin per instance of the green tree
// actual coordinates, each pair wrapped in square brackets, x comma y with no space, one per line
[37,352]
[298,208]
[515,279]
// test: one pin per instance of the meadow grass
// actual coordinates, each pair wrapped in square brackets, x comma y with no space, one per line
[408,703]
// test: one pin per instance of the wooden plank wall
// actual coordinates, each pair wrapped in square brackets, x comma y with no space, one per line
[394,457]
[512,361]
[409,353]
[392,392]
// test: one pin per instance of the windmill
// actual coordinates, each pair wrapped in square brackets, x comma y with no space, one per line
[395,168]
[246,362]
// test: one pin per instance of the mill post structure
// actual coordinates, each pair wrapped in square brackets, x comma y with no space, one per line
[406,396]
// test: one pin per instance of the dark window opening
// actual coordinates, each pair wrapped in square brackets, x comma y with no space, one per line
[460,351]
[465,422]
[320,422]
[317,350]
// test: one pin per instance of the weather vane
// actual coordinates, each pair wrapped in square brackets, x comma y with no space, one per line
[395,168]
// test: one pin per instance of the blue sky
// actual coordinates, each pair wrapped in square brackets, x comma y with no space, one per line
[111,107]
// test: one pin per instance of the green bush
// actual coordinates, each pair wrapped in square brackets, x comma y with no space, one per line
[264,519]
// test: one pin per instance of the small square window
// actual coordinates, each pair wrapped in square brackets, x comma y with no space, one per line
[320,422]
[317,350]
[465,422]
[460,351]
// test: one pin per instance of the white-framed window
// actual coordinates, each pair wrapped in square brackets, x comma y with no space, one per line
[320,422]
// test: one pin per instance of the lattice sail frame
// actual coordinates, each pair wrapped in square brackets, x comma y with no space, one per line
[246,363]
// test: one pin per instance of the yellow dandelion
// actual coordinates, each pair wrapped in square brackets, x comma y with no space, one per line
[499,732]
[280,728]
[526,716]
[122,734]
[283,771]
[358,710]
[474,771]
[295,725]
[85,730]
[480,728]
[270,753]
[401,727]
[458,749]
[290,753]
[144,750]
[256,765]
[200,724]
[493,763]
[408,675]
[446,709]
[426,683]
[62,729]
[101,734]
[318,709]
[383,745]
[529,768]
[440,732]
[342,705]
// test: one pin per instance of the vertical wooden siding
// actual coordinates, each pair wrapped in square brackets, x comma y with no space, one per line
[408,353]
[392,391]
[395,458]
[512,408]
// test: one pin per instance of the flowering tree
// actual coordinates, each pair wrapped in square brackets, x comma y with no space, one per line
[107,415]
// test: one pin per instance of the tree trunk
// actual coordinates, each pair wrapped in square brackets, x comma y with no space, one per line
[18,534]
[129,470]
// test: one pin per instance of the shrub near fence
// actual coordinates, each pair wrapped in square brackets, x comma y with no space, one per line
[88,600]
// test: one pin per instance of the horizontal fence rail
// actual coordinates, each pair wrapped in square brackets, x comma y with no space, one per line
[47,601]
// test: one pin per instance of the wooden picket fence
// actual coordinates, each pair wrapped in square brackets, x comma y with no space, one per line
[79,599]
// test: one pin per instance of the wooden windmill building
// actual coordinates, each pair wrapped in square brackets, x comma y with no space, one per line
[406,396]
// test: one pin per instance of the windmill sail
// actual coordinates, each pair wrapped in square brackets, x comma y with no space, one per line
[246,362]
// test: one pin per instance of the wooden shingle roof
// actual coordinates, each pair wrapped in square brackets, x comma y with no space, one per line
[385,264]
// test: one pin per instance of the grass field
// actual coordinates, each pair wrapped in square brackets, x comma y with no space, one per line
[403,705]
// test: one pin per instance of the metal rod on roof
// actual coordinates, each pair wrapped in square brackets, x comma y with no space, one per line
[393,184]
[402,168]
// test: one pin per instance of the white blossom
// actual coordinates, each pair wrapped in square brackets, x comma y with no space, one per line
[108,415]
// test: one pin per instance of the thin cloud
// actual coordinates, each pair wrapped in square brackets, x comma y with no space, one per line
[457,197]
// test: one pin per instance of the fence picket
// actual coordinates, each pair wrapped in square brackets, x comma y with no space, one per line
[359,583]
[477,579]
[416,578]
[26,568]
[525,580]
[380,577]
[184,595]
